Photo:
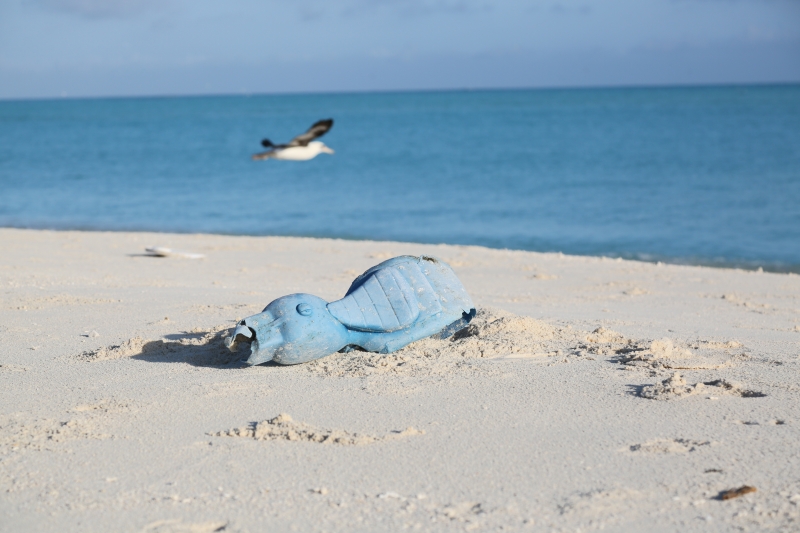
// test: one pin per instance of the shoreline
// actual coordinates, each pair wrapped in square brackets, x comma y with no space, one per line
[562,412]
[724,264]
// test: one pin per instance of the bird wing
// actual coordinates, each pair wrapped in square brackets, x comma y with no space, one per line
[319,129]
[266,143]
[264,155]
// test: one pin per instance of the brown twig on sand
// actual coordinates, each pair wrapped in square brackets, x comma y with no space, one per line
[735,493]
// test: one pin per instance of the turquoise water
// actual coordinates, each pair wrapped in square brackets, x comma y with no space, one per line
[700,175]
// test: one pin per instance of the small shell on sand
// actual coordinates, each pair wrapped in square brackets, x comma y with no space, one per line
[162,251]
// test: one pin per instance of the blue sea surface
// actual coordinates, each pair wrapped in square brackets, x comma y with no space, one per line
[706,175]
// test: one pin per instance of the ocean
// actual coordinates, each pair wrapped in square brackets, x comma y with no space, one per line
[698,175]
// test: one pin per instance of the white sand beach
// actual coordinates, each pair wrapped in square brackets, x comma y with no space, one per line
[589,394]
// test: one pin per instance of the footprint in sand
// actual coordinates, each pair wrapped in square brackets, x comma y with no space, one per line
[82,422]
[669,446]
[283,427]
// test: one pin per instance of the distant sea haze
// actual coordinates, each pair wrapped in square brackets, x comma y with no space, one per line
[706,175]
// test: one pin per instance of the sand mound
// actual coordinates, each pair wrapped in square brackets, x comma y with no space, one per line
[604,336]
[492,334]
[662,353]
[282,427]
[605,342]
[667,354]
[673,387]
[676,387]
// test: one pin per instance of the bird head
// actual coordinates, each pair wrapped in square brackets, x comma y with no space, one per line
[322,147]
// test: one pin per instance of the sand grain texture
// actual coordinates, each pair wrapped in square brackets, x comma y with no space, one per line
[588,394]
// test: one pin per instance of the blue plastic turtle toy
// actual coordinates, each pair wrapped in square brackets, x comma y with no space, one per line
[389,306]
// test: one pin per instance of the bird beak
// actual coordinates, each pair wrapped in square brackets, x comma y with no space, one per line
[328,150]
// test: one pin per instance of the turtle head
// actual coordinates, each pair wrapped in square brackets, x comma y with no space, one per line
[292,329]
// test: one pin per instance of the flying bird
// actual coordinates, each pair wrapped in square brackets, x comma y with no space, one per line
[301,148]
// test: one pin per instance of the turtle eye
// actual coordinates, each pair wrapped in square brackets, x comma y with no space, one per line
[304,309]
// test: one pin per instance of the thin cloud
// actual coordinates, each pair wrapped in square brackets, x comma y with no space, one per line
[406,8]
[99,9]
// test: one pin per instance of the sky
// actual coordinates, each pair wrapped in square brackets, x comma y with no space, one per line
[85,48]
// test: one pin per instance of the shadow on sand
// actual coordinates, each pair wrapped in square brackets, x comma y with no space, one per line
[204,349]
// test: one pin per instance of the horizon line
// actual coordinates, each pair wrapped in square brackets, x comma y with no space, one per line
[644,86]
